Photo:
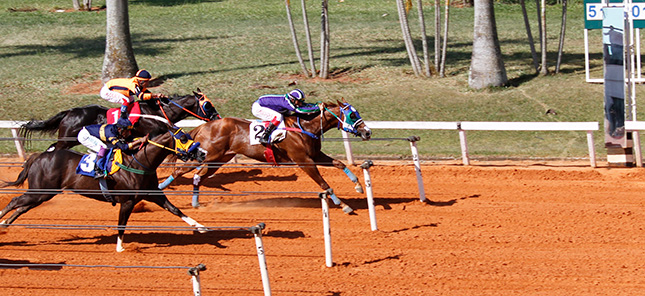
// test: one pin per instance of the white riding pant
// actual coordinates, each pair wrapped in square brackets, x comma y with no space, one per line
[91,142]
[115,97]
[264,113]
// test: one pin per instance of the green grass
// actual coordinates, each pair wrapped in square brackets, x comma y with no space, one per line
[238,50]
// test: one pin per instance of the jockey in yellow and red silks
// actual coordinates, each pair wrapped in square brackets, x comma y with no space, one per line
[125,91]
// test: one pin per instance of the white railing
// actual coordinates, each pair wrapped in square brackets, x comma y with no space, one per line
[461,127]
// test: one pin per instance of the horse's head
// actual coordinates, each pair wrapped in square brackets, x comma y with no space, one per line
[186,148]
[205,106]
[352,122]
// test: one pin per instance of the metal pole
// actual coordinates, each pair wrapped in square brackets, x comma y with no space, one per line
[326,229]
[417,166]
[368,190]
[264,271]
[348,148]
[194,272]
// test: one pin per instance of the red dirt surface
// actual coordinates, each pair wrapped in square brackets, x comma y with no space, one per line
[490,229]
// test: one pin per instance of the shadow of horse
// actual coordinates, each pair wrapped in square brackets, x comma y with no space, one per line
[234,177]
[163,239]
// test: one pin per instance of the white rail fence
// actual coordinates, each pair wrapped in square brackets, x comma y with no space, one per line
[462,127]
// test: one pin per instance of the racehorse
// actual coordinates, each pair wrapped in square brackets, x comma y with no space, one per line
[51,172]
[153,120]
[227,137]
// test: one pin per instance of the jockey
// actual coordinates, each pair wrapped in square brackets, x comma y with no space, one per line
[101,137]
[273,108]
[125,91]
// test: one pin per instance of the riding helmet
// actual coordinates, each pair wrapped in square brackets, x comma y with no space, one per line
[124,123]
[143,74]
[296,94]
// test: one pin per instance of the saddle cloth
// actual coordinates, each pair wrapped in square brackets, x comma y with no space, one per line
[113,114]
[88,161]
[257,127]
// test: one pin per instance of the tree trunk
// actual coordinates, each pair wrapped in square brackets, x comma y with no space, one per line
[76,4]
[442,71]
[437,34]
[119,58]
[424,39]
[310,48]
[544,69]
[562,31]
[88,4]
[536,63]
[324,41]
[486,66]
[407,38]
[294,39]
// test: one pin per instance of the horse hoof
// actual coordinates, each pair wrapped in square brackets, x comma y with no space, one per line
[196,205]
[348,210]
[359,188]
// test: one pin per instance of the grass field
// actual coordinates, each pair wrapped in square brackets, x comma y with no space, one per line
[238,50]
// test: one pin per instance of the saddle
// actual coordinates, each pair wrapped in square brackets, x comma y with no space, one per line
[88,161]
[113,114]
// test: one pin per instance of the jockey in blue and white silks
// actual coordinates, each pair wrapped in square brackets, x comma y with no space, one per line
[272,108]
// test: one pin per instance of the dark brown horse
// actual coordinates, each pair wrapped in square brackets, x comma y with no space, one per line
[51,172]
[227,137]
[153,121]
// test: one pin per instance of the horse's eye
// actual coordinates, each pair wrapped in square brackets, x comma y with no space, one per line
[353,116]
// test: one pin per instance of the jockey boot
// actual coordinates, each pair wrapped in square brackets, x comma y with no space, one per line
[98,172]
[267,133]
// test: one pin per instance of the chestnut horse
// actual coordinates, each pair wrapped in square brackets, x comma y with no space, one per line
[53,171]
[154,118]
[227,137]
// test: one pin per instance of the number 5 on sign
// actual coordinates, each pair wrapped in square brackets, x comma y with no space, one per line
[594,12]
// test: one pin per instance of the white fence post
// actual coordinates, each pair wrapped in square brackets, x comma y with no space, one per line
[370,195]
[264,271]
[329,262]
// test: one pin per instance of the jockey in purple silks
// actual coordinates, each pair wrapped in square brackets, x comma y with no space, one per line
[273,108]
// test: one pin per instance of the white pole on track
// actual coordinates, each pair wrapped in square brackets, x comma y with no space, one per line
[264,271]
[370,195]
[194,272]
[329,262]
[417,166]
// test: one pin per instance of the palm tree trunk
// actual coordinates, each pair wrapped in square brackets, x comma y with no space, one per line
[407,38]
[437,34]
[294,39]
[424,39]
[442,71]
[562,31]
[545,69]
[119,58]
[536,63]
[324,41]
[310,48]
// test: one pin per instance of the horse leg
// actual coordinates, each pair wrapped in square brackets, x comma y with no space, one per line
[325,160]
[204,171]
[313,173]
[162,201]
[176,173]
[22,204]
[124,215]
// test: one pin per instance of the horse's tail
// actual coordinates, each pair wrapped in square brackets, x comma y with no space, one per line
[49,126]
[23,175]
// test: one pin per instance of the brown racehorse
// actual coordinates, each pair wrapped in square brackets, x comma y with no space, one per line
[154,118]
[51,172]
[227,137]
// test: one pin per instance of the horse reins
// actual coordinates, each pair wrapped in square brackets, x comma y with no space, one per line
[184,108]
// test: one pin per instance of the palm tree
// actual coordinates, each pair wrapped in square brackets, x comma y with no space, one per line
[544,69]
[310,48]
[119,58]
[536,64]
[405,29]
[486,66]
[324,41]
[562,31]
[294,38]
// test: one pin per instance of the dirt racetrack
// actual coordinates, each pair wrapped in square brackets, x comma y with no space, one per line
[498,228]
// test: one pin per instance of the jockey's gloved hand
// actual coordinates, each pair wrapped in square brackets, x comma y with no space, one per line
[161,97]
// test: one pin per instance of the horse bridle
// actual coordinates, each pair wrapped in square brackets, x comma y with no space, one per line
[202,97]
